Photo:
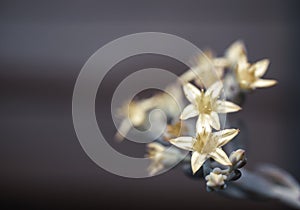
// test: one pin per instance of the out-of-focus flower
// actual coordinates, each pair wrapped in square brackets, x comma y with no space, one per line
[206,145]
[175,130]
[249,75]
[235,53]
[161,157]
[170,101]
[135,113]
[207,105]
[215,179]
[208,70]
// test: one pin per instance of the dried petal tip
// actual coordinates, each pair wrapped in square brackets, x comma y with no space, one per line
[236,156]
[215,180]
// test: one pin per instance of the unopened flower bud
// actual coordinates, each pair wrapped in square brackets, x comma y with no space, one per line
[215,180]
[237,156]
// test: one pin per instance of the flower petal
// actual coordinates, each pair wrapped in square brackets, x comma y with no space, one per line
[214,90]
[242,64]
[220,156]
[224,136]
[261,67]
[183,142]
[197,161]
[188,112]
[261,83]
[235,51]
[203,123]
[221,63]
[191,92]
[214,120]
[226,107]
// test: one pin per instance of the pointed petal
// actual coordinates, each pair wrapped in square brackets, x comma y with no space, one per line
[261,67]
[225,136]
[226,107]
[203,124]
[242,65]
[215,89]
[188,112]
[183,142]
[235,50]
[220,156]
[214,120]
[197,161]
[191,92]
[221,62]
[261,83]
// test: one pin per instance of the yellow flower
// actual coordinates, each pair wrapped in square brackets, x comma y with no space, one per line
[249,75]
[207,105]
[161,157]
[206,145]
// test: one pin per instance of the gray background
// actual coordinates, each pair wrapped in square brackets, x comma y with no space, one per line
[44,44]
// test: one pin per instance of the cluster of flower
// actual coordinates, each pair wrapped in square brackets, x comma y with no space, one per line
[204,86]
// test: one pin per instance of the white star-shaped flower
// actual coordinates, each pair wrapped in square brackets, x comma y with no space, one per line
[206,145]
[206,105]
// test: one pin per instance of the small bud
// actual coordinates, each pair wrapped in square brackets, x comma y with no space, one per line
[237,156]
[242,163]
[215,180]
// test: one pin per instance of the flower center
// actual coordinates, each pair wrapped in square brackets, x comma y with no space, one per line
[204,105]
[198,145]
[204,143]
[246,78]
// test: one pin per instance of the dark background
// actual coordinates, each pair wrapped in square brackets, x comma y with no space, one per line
[43,46]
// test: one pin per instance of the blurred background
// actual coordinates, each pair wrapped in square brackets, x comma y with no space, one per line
[43,46]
